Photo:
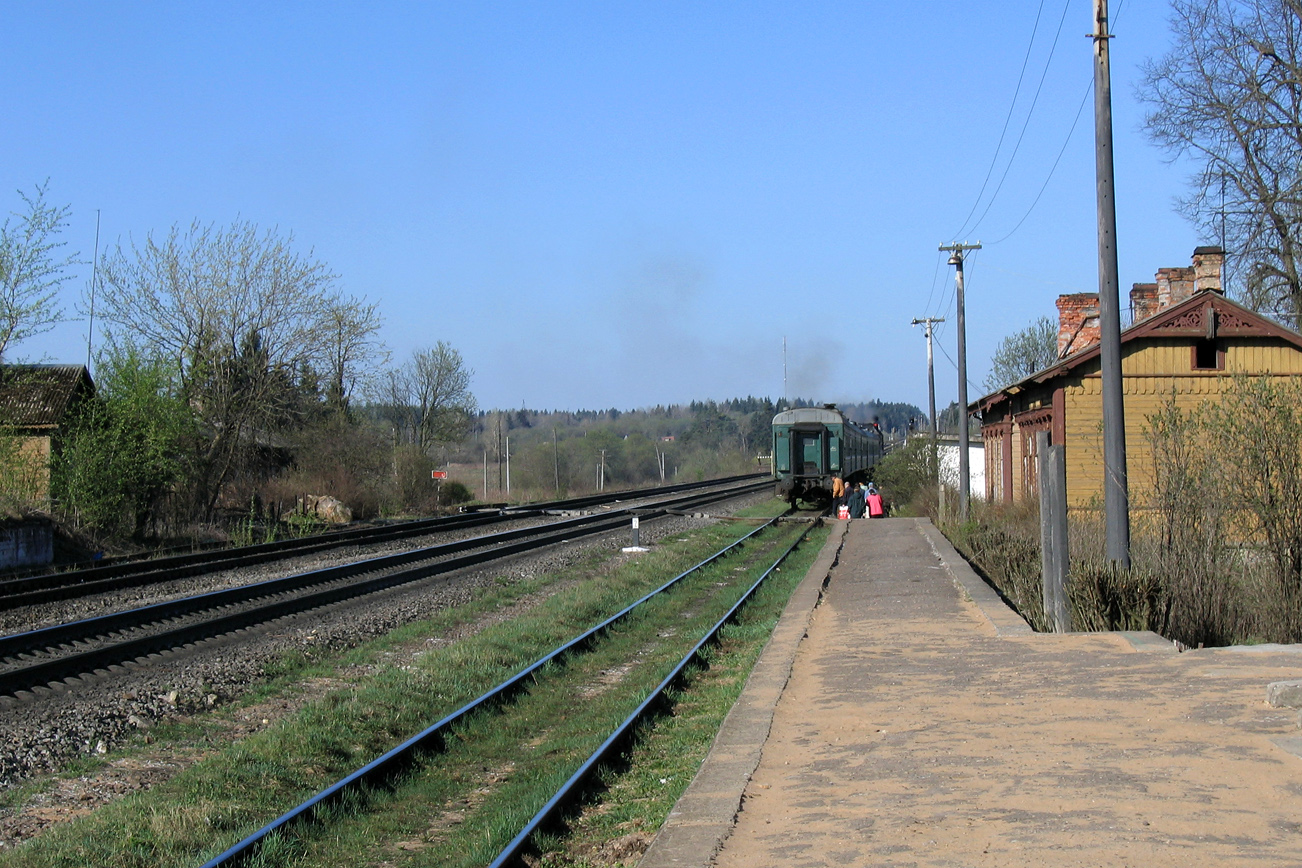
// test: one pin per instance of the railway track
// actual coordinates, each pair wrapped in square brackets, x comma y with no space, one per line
[392,766]
[89,580]
[36,658]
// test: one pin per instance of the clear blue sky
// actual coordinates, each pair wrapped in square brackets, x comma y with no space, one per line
[609,204]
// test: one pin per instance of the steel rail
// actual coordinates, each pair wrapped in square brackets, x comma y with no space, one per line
[493,547]
[619,738]
[430,740]
[16,593]
[67,584]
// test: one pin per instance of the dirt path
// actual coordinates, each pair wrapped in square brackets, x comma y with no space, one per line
[910,734]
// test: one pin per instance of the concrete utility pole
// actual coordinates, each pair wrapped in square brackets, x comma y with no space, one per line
[1116,497]
[956,251]
[927,323]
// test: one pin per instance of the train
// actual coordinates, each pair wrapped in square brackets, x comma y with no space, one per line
[813,444]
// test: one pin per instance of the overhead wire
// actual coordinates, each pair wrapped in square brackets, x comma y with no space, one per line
[1029,114]
[1066,141]
[994,159]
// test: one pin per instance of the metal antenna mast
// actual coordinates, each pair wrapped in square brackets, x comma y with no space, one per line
[956,251]
[94,281]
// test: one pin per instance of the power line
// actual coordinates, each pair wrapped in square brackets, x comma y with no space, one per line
[994,158]
[1066,141]
[1029,113]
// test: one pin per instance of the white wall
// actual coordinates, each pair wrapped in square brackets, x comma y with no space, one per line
[976,467]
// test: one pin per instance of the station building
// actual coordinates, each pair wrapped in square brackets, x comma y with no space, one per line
[1185,338]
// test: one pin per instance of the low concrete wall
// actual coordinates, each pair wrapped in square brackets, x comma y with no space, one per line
[26,543]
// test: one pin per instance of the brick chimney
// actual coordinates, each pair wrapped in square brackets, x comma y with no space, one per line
[1143,301]
[1174,285]
[1207,262]
[1078,322]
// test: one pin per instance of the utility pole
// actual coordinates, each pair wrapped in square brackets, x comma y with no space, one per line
[1116,497]
[927,323]
[956,252]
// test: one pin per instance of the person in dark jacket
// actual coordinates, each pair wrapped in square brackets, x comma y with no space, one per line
[857,502]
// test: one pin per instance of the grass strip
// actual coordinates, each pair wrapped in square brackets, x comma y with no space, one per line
[215,802]
[633,800]
[464,807]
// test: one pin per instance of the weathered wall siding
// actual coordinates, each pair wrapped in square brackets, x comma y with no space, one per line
[26,544]
[1172,358]
[1262,355]
[1145,397]
[25,470]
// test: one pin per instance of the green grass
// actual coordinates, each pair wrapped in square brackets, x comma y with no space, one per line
[636,798]
[240,786]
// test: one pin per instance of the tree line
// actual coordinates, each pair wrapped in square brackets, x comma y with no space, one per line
[230,374]
[235,376]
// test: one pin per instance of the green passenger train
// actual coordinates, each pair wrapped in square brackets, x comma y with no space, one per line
[813,444]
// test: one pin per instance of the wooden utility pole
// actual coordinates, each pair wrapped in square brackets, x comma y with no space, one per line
[927,323]
[1116,496]
[956,251]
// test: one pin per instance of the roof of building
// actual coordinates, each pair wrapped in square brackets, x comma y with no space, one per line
[38,396]
[1206,314]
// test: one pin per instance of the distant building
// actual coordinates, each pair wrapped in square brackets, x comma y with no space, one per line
[1186,336]
[947,456]
[36,405]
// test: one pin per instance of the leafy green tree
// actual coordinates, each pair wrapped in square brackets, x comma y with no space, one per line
[127,449]
[32,269]
[1023,353]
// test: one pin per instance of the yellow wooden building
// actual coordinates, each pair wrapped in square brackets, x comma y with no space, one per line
[1187,336]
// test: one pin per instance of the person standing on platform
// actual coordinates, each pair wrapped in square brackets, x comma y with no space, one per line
[876,507]
[857,502]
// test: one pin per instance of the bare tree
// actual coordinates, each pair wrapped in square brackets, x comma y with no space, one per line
[429,397]
[1023,353]
[31,270]
[1228,97]
[353,351]
[238,313]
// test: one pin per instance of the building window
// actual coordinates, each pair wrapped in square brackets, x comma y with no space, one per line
[1208,356]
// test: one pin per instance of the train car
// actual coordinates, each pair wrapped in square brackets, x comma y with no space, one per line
[813,444]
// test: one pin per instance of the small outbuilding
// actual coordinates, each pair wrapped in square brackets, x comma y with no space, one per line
[36,404]
[1186,336]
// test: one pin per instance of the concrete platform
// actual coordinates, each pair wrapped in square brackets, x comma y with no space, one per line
[905,716]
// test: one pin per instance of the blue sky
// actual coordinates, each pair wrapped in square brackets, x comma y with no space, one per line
[610,204]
